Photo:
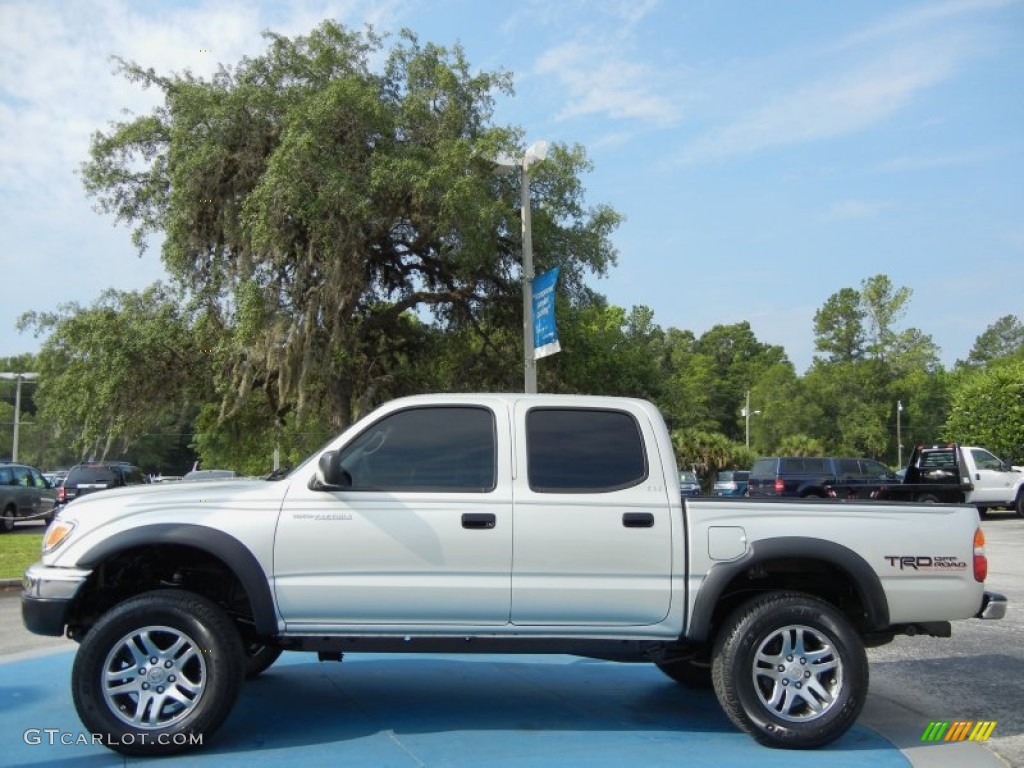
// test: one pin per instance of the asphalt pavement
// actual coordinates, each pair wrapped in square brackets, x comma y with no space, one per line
[451,711]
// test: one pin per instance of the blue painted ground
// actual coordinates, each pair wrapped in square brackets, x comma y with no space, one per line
[439,711]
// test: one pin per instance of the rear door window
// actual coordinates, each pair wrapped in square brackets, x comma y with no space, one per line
[583,450]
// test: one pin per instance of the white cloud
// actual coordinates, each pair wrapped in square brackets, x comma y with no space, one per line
[600,67]
[600,82]
[829,107]
[915,19]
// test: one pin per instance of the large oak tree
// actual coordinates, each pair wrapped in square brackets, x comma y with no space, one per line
[330,216]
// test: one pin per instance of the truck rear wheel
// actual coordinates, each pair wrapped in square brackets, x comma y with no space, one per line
[927,498]
[1019,504]
[790,670]
[158,673]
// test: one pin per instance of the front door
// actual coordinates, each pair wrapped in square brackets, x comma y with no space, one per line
[993,482]
[424,534]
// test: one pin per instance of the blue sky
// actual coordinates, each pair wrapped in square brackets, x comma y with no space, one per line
[765,153]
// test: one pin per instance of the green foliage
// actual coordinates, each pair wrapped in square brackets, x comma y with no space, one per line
[800,445]
[133,364]
[988,409]
[1004,338]
[706,452]
[312,203]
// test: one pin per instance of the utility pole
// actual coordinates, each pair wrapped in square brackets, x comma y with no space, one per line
[746,415]
[18,378]
[899,433]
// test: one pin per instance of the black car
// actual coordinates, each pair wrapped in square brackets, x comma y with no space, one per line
[810,476]
[98,476]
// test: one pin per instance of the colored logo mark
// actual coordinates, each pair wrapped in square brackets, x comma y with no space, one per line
[959,730]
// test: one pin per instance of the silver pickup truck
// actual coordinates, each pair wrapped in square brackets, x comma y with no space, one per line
[497,524]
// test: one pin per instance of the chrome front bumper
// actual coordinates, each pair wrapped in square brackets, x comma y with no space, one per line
[46,595]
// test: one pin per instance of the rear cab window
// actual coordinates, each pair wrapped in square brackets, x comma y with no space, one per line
[92,476]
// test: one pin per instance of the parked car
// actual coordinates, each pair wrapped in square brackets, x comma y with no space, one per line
[56,477]
[24,493]
[98,476]
[200,475]
[811,476]
[688,484]
[731,482]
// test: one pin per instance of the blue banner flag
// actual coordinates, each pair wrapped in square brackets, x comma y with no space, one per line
[545,334]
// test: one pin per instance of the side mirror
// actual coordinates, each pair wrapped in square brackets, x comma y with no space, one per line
[330,475]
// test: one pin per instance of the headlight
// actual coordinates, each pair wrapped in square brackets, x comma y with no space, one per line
[56,534]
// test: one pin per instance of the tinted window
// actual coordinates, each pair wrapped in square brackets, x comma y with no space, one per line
[577,449]
[37,479]
[849,467]
[985,460]
[22,477]
[939,458]
[91,476]
[6,476]
[764,468]
[875,468]
[803,466]
[425,449]
[134,476]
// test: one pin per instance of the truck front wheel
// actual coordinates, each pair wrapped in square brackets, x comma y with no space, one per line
[790,670]
[158,673]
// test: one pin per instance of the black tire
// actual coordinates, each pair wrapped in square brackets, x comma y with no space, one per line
[259,658]
[7,520]
[751,655]
[927,498]
[693,673]
[199,662]
[1019,504]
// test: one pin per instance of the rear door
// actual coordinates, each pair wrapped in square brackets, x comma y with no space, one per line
[593,537]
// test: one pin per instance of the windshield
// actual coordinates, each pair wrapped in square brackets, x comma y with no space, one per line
[687,478]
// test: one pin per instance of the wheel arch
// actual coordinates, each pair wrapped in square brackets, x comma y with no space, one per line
[818,567]
[210,545]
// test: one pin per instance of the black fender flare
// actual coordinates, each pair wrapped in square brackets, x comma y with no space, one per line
[223,546]
[865,580]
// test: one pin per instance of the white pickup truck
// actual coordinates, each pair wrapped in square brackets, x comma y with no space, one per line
[951,474]
[498,524]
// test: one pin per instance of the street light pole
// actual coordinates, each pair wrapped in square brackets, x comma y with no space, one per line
[529,362]
[899,434]
[746,415]
[534,154]
[18,378]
